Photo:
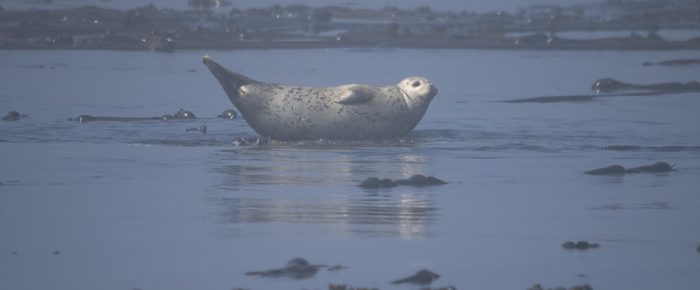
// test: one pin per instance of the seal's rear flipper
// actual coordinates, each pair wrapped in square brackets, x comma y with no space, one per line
[230,81]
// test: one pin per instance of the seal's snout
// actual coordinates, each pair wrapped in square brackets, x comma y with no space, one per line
[432,91]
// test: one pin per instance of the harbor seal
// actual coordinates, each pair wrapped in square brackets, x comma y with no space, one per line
[346,112]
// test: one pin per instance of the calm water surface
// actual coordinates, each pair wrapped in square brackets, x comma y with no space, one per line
[146,205]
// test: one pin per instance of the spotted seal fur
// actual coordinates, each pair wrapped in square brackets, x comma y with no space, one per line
[347,112]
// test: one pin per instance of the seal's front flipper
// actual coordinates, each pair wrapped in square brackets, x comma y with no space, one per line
[353,95]
[230,81]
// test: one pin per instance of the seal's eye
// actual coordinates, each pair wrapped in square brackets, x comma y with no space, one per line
[415,84]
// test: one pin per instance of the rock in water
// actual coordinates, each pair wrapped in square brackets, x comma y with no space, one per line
[422,277]
[610,170]
[229,114]
[658,167]
[297,268]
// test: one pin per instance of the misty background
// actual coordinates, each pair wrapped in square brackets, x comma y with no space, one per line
[444,5]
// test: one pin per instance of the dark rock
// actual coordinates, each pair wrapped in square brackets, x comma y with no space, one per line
[658,167]
[229,114]
[579,287]
[182,114]
[373,183]
[418,180]
[56,252]
[610,170]
[422,277]
[675,62]
[583,245]
[415,180]
[580,245]
[337,268]
[296,268]
[569,245]
[12,116]
[698,249]
[345,287]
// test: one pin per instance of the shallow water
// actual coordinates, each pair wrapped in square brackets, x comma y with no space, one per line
[147,205]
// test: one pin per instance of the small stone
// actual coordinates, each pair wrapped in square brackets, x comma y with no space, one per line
[568,245]
[337,268]
[229,114]
[371,182]
[297,268]
[12,116]
[583,245]
[183,114]
[56,252]
[422,277]
[421,180]
[374,183]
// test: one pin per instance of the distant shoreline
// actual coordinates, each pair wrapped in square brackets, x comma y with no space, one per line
[149,28]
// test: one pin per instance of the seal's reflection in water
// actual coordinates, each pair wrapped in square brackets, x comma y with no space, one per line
[319,188]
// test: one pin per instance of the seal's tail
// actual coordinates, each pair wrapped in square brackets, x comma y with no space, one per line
[230,81]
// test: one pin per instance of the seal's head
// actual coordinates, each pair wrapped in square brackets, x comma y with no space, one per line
[417,90]
[231,82]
